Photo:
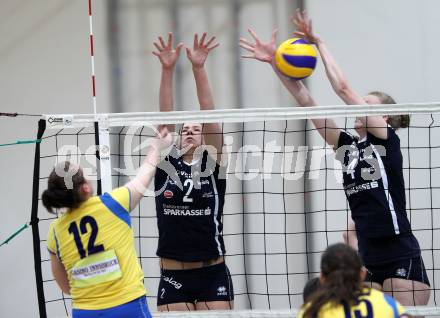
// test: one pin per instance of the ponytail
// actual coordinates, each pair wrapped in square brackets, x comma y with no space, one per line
[399,121]
[340,268]
[395,121]
[58,194]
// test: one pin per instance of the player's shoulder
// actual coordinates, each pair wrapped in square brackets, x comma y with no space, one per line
[346,139]
[53,224]
[392,139]
[85,208]
[52,229]
[372,294]
[382,302]
[62,218]
[349,135]
[120,192]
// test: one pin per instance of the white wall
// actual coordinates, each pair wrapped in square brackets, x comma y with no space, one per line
[388,45]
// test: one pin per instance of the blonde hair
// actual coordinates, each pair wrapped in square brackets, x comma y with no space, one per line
[395,121]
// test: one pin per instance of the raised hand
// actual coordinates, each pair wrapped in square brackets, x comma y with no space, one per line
[200,50]
[166,53]
[304,25]
[263,52]
[163,139]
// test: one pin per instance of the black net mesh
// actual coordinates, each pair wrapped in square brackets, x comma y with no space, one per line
[284,203]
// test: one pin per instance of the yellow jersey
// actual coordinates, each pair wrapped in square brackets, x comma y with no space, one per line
[372,304]
[95,243]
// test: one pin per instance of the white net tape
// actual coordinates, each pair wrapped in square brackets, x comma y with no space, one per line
[238,115]
[415,311]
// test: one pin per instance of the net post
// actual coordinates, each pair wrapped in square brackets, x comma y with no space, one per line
[34,223]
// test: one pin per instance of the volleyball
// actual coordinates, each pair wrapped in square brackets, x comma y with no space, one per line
[296,58]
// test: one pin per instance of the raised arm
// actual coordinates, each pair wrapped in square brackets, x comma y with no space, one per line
[374,124]
[212,132]
[265,52]
[139,184]
[168,56]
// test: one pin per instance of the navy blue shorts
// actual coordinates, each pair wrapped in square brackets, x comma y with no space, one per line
[137,308]
[410,269]
[210,283]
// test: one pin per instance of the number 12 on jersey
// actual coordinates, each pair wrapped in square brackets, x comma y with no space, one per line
[91,247]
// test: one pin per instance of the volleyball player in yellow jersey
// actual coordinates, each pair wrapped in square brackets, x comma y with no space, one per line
[341,293]
[92,246]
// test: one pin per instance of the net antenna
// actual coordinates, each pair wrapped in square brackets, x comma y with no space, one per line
[92,57]
[102,139]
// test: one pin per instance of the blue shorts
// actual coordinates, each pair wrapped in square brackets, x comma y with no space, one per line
[210,283]
[137,308]
[410,269]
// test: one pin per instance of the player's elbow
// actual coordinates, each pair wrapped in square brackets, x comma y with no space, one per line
[341,88]
[305,102]
[66,290]
[206,104]
[63,284]
[345,237]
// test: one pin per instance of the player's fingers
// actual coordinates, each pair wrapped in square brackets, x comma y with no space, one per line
[162,42]
[159,130]
[178,48]
[210,41]
[295,20]
[212,47]
[274,35]
[170,40]
[298,16]
[305,16]
[196,40]
[247,47]
[188,52]
[254,35]
[202,40]
[244,41]
[158,47]
[310,27]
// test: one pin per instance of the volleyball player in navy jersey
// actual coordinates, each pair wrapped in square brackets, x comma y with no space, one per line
[190,195]
[386,243]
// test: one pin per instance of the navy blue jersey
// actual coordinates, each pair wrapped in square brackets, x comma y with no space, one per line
[189,208]
[375,189]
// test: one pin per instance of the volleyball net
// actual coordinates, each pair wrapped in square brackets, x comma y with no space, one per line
[284,202]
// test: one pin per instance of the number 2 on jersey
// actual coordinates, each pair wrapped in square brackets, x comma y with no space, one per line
[186,197]
[91,247]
